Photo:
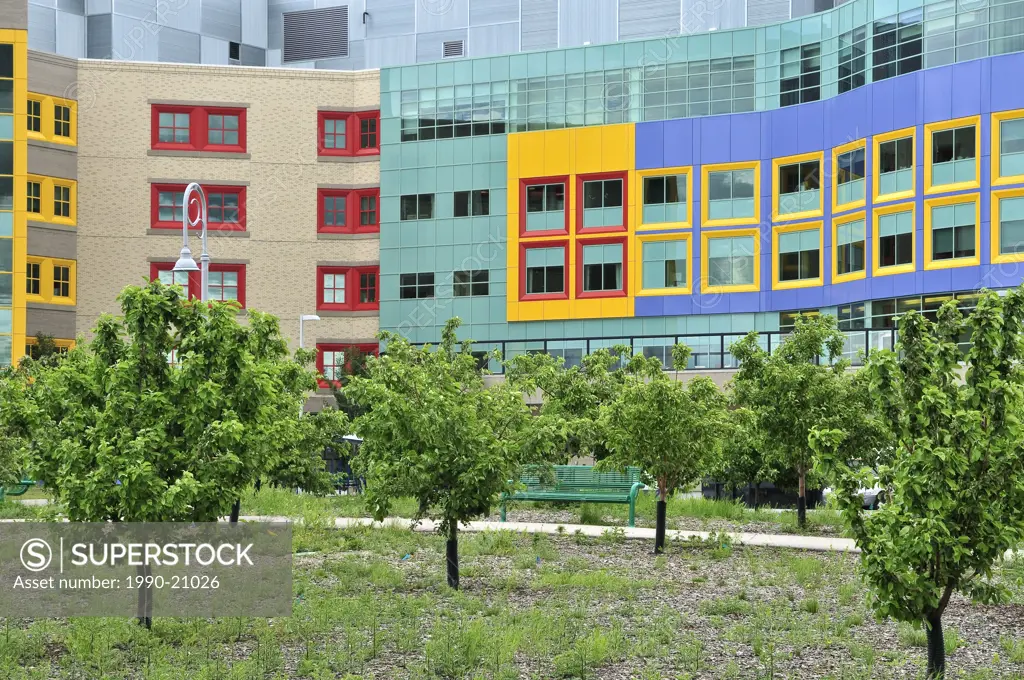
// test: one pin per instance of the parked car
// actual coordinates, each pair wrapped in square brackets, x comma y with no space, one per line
[873,497]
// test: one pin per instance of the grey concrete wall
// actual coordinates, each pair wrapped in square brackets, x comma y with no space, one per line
[52,160]
[51,320]
[48,240]
[51,74]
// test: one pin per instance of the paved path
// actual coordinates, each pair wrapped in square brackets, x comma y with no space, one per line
[821,543]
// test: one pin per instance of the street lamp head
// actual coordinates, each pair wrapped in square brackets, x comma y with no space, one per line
[310,317]
[185,262]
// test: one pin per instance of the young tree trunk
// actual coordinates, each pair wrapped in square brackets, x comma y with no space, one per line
[452,553]
[936,648]
[235,510]
[801,503]
[144,607]
[757,488]
[659,530]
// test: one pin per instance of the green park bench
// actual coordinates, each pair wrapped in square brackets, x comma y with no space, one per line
[19,489]
[580,483]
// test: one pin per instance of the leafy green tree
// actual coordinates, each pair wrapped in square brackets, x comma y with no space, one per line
[434,432]
[743,460]
[16,417]
[791,391]
[121,433]
[356,365]
[669,429]
[572,397]
[956,472]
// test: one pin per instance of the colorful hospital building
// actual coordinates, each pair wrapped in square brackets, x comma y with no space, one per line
[562,176]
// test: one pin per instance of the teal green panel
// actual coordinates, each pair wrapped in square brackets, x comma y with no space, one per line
[426,181]
[654,275]
[427,75]
[743,323]
[721,45]
[390,128]
[498,200]
[535,330]
[536,65]
[390,181]
[575,60]
[611,327]
[445,230]
[497,270]
[480,309]
[408,155]
[408,261]
[810,29]
[698,324]
[443,205]
[445,74]
[516,331]
[463,73]
[390,160]
[942,173]
[963,214]
[481,150]
[481,70]
[444,178]
[556,63]
[425,259]
[744,42]
[942,217]
[963,170]
[410,78]
[791,34]
[389,210]
[408,185]
[462,232]
[445,151]
[463,178]
[408,234]
[499,148]
[518,66]
[1011,209]
[498,174]
[652,325]
[389,259]
[614,56]
[463,151]
[1011,164]
[884,8]
[427,156]
[698,47]
[496,308]
[720,323]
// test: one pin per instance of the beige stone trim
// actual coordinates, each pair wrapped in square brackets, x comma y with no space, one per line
[211,182]
[184,102]
[174,153]
[350,315]
[356,263]
[349,159]
[210,234]
[348,237]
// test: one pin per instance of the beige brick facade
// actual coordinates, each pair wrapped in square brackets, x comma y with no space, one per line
[281,170]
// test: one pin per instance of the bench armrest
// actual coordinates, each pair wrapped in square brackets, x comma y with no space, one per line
[634,491]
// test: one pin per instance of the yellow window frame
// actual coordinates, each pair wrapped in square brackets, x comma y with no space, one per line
[61,343]
[836,153]
[893,209]
[836,223]
[46,200]
[706,170]
[638,208]
[638,269]
[802,283]
[777,164]
[930,203]
[876,156]
[997,120]
[995,227]
[929,130]
[46,265]
[47,104]
[707,236]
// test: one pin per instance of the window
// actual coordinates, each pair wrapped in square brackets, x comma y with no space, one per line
[33,195]
[894,239]
[226,282]
[851,317]
[801,75]
[62,346]
[471,283]
[348,133]
[417,207]
[473,203]
[33,278]
[222,129]
[61,120]
[1008,147]
[61,201]
[35,115]
[1008,225]
[799,187]
[416,286]
[850,173]
[347,289]
[851,59]
[542,209]
[953,157]
[787,320]
[894,165]
[603,265]
[896,45]
[665,199]
[798,259]
[333,360]
[730,260]
[731,195]
[952,232]
[850,248]
[544,272]
[603,201]
[665,265]
[225,207]
[50,280]
[348,212]
[199,128]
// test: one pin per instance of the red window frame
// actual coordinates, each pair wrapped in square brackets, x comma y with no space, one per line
[321,347]
[527,245]
[352,289]
[580,294]
[157,223]
[353,134]
[353,212]
[580,179]
[533,181]
[195,278]
[198,128]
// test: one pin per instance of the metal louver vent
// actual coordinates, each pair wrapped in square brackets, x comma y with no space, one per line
[316,34]
[452,48]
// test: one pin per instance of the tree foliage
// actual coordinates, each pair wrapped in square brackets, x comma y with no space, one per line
[743,458]
[435,432]
[121,433]
[956,473]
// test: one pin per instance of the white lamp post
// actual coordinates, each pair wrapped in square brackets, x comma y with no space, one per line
[302,319]
[185,262]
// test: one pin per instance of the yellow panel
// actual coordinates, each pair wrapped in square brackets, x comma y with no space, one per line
[556,309]
[512,311]
[588,150]
[586,309]
[932,128]
[615,147]
[531,311]
[614,308]
[930,203]
[19,39]
[557,147]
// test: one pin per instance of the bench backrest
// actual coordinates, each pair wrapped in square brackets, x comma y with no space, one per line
[584,477]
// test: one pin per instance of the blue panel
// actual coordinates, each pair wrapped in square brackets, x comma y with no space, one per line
[678,143]
[650,145]
[1007,69]
[881,106]
[938,94]
[906,97]
[715,146]
[785,131]
[811,127]
[967,86]
[745,139]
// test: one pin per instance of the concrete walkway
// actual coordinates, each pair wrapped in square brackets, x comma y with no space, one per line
[820,543]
